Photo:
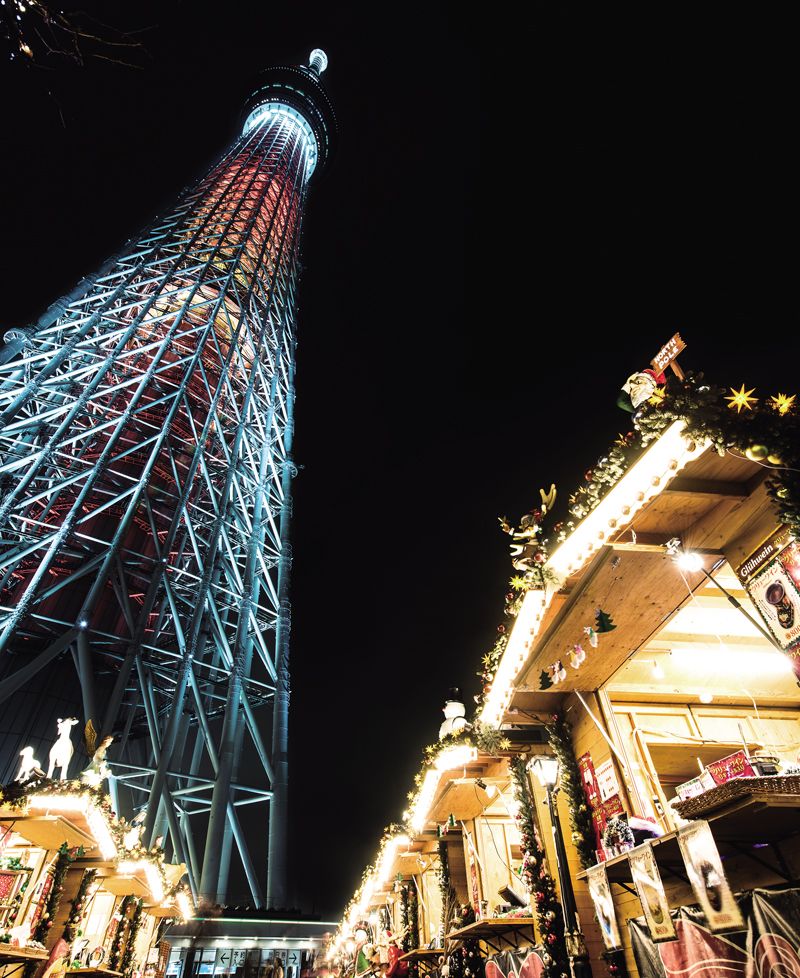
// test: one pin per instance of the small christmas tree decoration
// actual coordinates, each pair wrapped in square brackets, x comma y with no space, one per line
[591,635]
[603,621]
[545,682]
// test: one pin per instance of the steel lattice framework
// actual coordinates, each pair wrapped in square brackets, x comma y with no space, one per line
[145,491]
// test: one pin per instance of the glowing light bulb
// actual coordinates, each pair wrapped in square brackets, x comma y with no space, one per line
[690,561]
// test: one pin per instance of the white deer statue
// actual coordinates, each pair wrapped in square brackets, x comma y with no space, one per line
[62,750]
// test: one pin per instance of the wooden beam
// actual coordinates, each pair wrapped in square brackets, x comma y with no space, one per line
[708,487]
[644,542]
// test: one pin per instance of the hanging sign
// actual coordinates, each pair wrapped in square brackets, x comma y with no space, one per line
[771,575]
[589,780]
[600,892]
[705,872]
[607,780]
[667,356]
[650,889]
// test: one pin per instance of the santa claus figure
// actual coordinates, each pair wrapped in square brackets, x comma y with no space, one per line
[638,388]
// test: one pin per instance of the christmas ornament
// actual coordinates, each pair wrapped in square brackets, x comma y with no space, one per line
[592,634]
[781,403]
[741,399]
[577,657]
[756,452]
[603,621]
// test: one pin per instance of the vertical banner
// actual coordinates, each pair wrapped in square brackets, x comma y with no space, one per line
[600,892]
[705,872]
[654,903]
[771,576]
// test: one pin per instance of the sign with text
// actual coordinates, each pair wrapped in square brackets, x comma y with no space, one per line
[771,575]
[667,355]
[705,872]
[600,892]
[650,889]
[733,766]
[606,780]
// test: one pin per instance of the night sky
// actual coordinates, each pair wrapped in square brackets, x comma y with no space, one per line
[519,215]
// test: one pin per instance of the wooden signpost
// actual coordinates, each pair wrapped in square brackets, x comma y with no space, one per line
[667,356]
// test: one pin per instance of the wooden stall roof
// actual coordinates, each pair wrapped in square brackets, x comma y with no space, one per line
[49,831]
[717,505]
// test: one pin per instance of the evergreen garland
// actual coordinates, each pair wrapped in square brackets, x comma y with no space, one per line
[466,961]
[540,884]
[409,917]
[580,818]
[409,923]
[706,414]
[60,866]
[445,888]
[115,955]
[703,410]
[72,926]
[126,966]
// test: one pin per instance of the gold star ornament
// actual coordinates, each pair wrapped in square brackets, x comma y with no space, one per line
[741,399]
[782,403]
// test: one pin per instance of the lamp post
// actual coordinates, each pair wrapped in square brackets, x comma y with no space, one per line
[546,768]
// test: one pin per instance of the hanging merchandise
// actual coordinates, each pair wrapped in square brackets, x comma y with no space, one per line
[707,876]
[650,889]
[577,656]
[592,634]
[600,892]
[603,621]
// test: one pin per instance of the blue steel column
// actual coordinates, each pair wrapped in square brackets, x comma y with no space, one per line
[277,895]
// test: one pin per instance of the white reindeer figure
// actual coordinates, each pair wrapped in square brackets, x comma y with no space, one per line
[28,767]
[62,750]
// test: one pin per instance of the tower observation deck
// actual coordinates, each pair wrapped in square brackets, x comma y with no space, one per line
[146,425]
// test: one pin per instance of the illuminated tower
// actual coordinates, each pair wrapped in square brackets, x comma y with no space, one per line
[145,494]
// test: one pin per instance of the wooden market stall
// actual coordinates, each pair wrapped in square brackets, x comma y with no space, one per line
[692,670]
[76,887]
[652,648]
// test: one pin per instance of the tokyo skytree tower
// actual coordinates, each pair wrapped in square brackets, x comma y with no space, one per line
[146,425]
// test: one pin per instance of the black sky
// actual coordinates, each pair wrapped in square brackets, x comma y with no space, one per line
[519,215]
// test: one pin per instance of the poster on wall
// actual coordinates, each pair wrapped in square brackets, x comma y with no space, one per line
[650,889]
[607,780]
[771,576]
[705,872]
[600,892]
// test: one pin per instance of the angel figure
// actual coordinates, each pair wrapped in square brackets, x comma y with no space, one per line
[98,770]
